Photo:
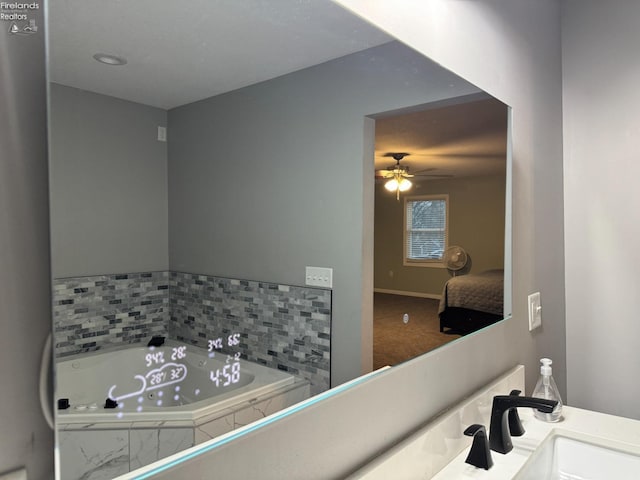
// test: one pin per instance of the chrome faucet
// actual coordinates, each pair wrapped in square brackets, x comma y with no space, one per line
[499,436]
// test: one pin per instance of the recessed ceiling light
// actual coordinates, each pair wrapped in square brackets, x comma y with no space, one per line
[110,59]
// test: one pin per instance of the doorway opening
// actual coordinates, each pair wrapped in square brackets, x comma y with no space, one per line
[456,150]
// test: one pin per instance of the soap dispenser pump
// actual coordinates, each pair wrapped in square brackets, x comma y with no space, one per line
[547,388]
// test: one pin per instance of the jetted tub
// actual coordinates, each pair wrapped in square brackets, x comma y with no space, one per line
[172,382]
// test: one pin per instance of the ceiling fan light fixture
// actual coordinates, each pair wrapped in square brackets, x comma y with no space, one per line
[398,181]
[398,184]
[404,185]
[392,185]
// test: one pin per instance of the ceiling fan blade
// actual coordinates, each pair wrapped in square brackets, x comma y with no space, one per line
[384,174]
[433,175]
[423,173]
[424,170]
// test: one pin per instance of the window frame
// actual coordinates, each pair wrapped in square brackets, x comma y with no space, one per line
[427,262]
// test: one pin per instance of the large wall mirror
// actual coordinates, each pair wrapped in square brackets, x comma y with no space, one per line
[202,156]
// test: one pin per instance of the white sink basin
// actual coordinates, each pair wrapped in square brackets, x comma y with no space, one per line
[569,456]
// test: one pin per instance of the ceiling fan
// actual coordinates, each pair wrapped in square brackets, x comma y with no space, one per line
[398,175]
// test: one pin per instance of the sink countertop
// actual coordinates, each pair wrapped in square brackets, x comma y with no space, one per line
[575,420]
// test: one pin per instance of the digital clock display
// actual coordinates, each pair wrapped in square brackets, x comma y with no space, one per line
[228,374]
[165,369]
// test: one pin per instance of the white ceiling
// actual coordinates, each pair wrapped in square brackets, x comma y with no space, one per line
[189,50]
[459,139]
[183,51]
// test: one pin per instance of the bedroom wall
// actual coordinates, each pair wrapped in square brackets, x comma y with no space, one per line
[270,178]
[476,223]
[602,221]
[109,211]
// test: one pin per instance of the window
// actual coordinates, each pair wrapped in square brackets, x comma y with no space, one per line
[426,230]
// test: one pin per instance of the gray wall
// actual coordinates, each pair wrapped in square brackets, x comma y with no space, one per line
[511,49]
[25,304]
[602,219]
[268,179]
[109,210]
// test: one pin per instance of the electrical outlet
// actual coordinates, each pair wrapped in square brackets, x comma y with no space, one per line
[319,277]
[535,311]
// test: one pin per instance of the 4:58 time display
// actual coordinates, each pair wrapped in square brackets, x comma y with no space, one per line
[226,375]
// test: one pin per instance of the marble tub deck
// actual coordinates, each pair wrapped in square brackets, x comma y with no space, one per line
[105,450]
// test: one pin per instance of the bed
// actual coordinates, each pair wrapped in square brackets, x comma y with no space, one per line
[471,302]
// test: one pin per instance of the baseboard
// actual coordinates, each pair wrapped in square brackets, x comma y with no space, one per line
[432,296]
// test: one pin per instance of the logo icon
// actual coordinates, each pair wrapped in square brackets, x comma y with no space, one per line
[28,29]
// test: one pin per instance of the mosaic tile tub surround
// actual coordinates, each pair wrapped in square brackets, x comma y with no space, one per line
[101,310]
[280,326]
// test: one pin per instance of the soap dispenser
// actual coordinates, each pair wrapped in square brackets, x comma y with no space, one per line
[547,388]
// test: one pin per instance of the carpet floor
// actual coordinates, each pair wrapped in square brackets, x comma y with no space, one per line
[393,340]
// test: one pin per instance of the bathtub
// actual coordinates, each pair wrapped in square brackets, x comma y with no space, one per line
[173,382]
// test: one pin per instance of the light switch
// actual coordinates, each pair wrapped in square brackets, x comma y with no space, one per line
[162,134]
[319,277]
[535,311]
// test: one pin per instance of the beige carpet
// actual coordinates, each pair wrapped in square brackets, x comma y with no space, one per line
[393,340]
